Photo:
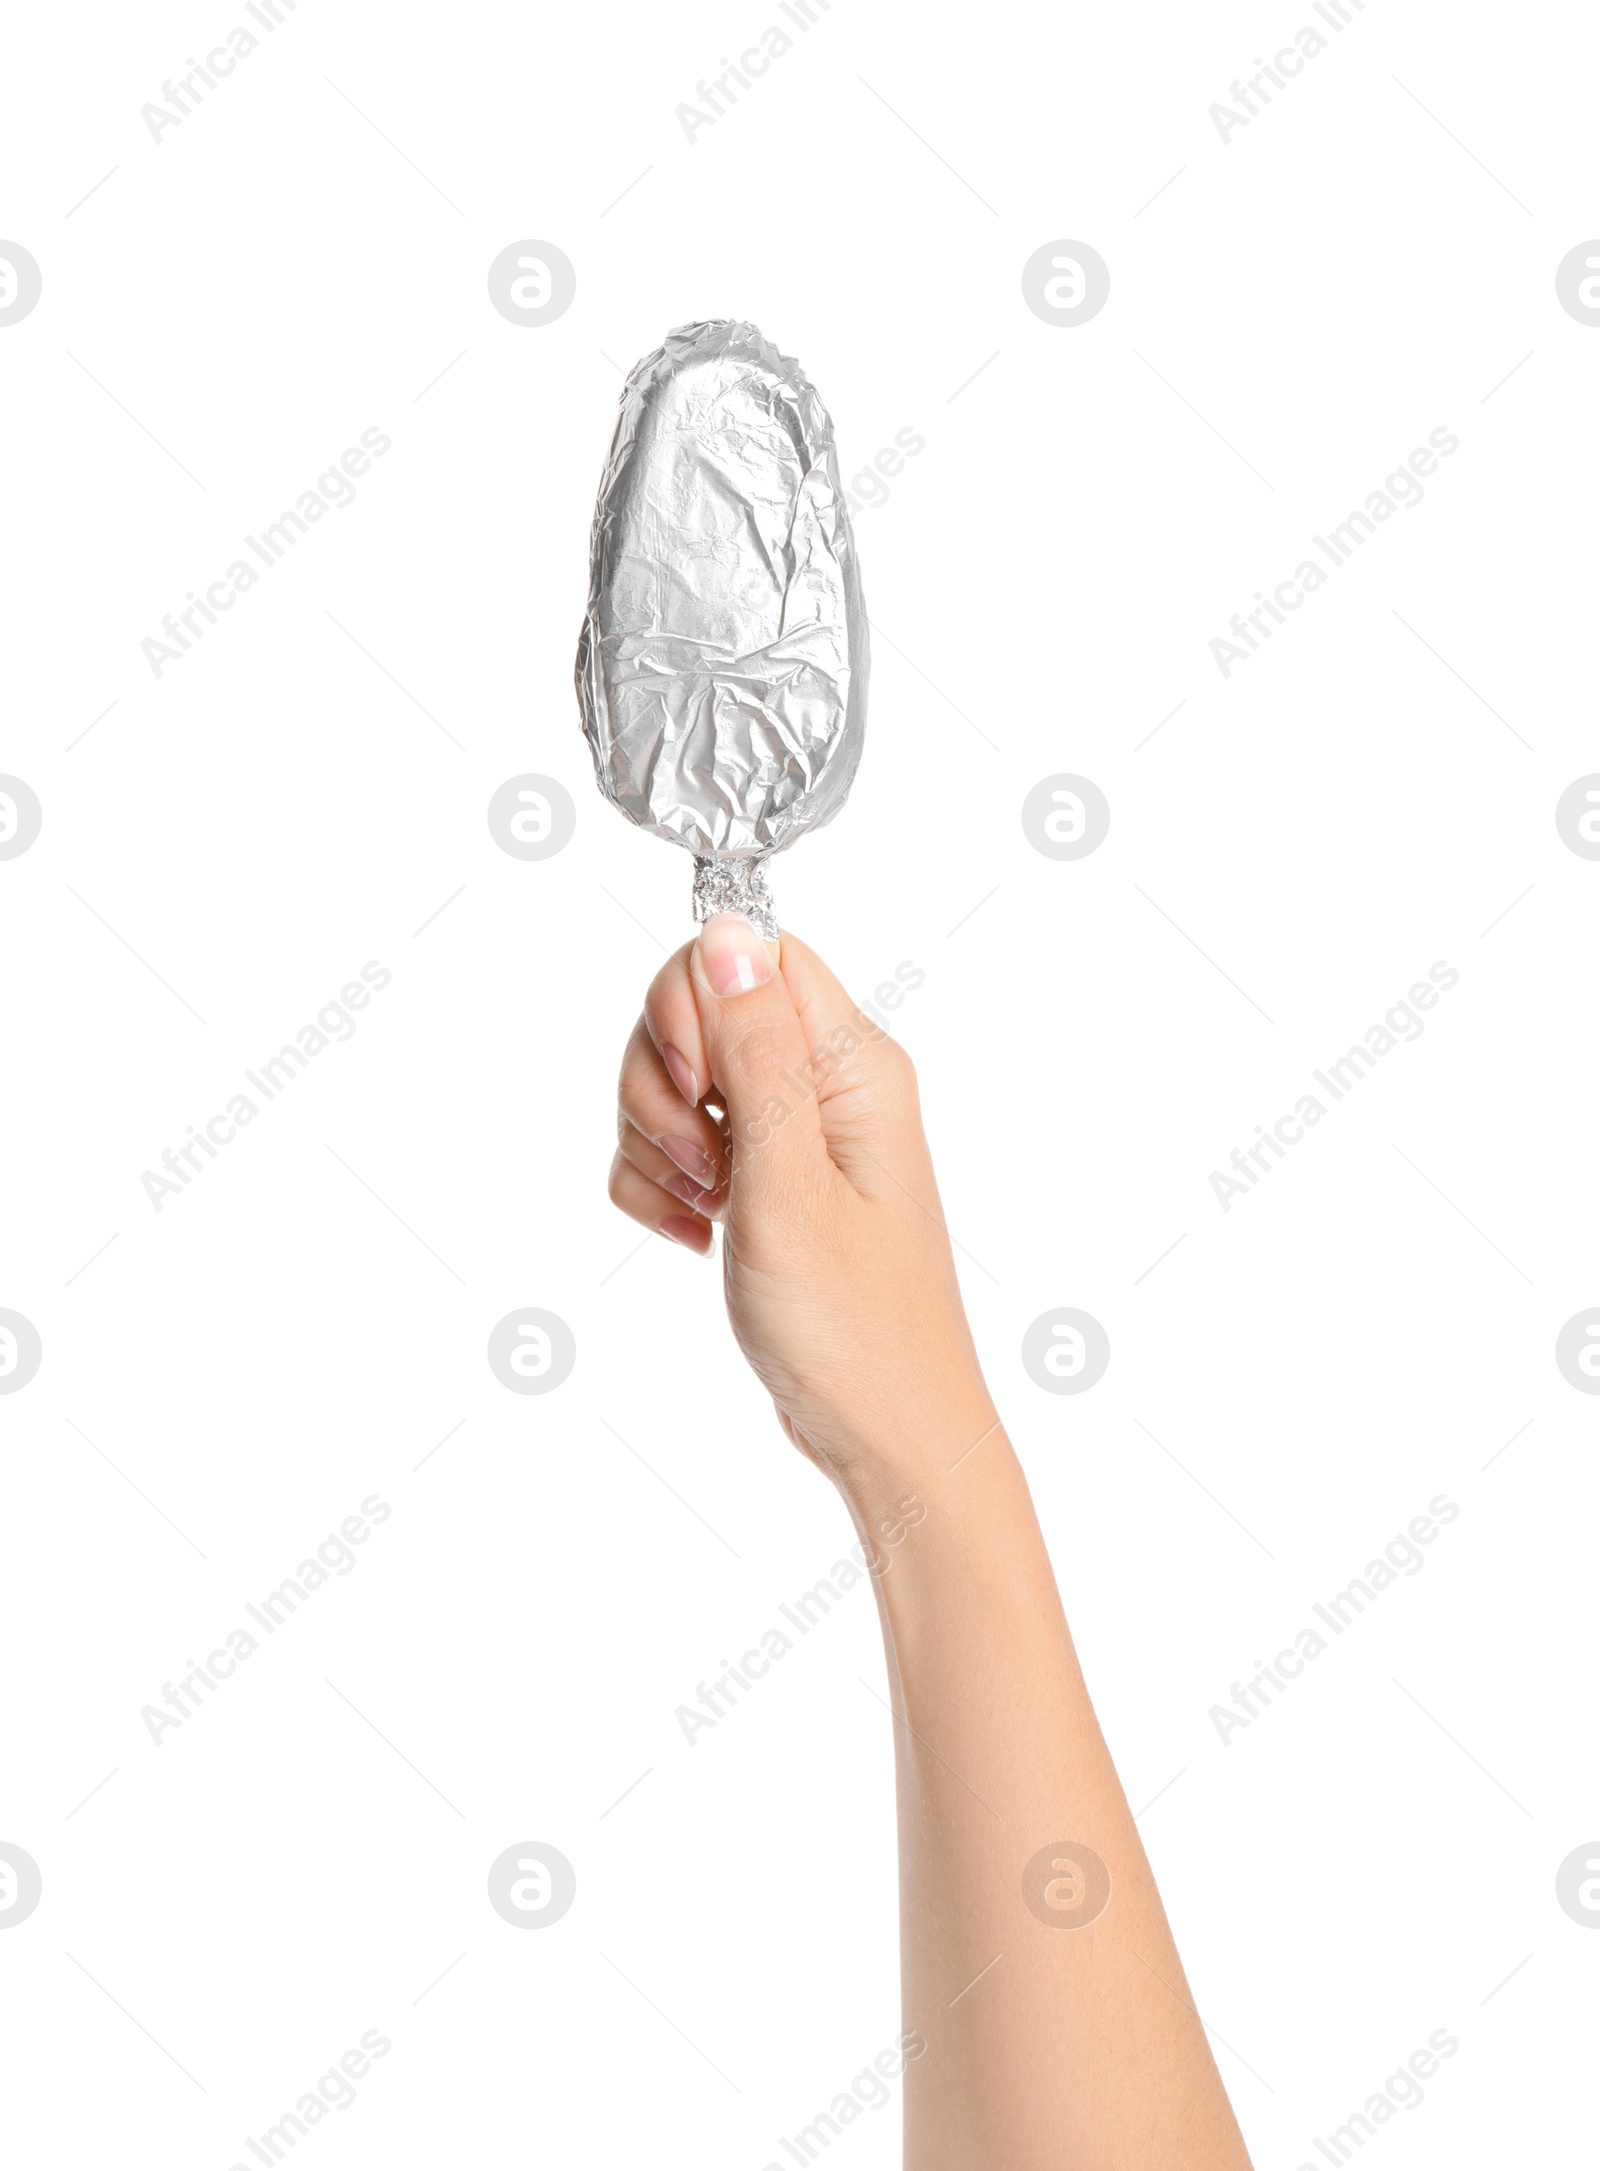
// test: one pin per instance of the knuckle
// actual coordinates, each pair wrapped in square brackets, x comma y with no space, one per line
[896,1067]
[634,1076]
[758,1050]
[670,993]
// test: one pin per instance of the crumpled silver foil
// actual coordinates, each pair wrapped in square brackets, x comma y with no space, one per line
[722,666]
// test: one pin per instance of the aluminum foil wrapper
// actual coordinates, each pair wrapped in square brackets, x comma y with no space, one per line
[722,666]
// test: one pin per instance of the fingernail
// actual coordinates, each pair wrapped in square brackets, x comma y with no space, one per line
[733,955]
[692,1161]
[692,1235]
[680,1073]
[691,1193]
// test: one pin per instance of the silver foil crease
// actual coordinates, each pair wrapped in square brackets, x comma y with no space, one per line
[722,665]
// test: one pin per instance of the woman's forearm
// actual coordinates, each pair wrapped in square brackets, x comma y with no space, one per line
[1059,2026]
[1038,1969]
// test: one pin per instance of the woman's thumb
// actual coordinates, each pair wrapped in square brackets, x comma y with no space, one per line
[760,1062]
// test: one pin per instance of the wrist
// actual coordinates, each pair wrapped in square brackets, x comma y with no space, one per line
[926,1437]
[963,1577]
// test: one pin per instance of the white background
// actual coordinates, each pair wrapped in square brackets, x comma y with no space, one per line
[306,790]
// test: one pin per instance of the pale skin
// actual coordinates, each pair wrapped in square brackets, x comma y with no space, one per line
[755,1095]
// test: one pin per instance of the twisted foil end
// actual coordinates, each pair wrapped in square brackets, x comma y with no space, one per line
[735,885]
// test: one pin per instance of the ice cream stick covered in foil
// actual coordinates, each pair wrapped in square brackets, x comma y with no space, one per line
[722,666]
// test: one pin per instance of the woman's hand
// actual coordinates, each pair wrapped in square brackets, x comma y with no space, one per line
[843,1296]
[755,1092]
